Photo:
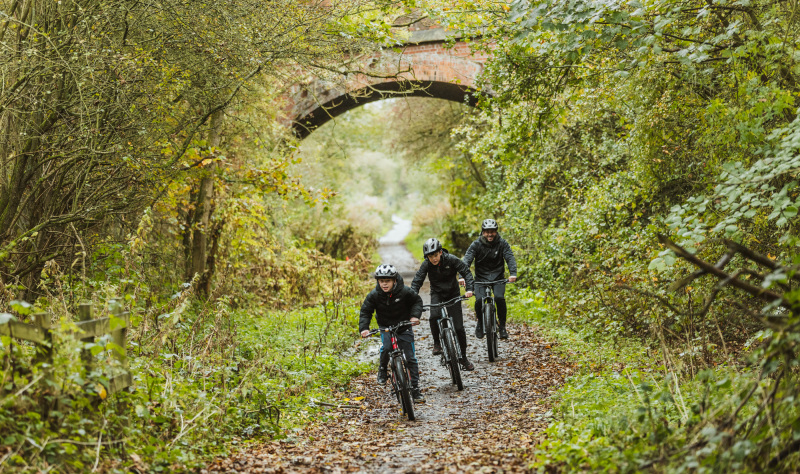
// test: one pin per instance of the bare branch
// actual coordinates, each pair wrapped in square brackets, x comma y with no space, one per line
[758,292]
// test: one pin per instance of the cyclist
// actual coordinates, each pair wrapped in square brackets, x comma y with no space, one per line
[392,303]
[491,253]
[441,267]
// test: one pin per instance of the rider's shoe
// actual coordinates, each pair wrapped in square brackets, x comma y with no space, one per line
[479,330]
[382,376]
[466,364]
[416,394]
[503,332]
[437,348]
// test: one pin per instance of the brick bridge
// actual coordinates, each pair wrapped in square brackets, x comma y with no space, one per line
[423,67]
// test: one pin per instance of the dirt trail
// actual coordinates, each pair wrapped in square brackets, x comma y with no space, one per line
[490,426]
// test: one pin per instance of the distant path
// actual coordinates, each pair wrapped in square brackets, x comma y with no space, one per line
[393,251]
[493,424]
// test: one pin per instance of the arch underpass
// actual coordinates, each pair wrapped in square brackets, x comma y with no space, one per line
[424,67]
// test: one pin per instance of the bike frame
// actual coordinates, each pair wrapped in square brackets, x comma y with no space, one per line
[490,326]
[396,351]
[393,355]
[446,322]
[489,298]
[446,329]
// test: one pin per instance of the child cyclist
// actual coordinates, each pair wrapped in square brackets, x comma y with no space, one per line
[392,303]
[441,269]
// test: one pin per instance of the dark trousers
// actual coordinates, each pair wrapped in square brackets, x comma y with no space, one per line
[499,302]
[405,341]
[456,314]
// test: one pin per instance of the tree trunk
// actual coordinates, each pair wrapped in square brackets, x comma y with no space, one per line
[211,261]
[186,234]
[205,196]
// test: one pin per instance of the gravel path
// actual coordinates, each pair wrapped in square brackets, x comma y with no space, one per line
[490,426]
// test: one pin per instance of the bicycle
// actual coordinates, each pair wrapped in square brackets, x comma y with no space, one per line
[490,317]
[401,380]
[449,341]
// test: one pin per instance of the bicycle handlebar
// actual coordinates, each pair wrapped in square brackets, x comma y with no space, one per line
[487,283]
[391,328]
[446,303]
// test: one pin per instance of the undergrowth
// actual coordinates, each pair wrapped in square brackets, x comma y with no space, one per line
[219,378]
[623,411]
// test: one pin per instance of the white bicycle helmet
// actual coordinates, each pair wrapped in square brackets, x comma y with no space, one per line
[385,271]
[489,224]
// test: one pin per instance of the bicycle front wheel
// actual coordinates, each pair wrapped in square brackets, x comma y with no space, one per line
[403,387]
[452,362]
[490,328]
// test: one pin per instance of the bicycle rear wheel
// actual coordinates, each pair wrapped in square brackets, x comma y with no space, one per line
[403,387]
[452,353]
[490,328]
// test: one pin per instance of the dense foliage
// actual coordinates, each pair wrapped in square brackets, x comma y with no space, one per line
[105,107]
[616,121]
[642,158]
[143,159]
[208,377]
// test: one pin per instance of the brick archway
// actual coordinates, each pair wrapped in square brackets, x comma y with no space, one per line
[424,67]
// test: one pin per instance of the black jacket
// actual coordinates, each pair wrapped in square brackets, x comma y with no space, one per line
[490,258]
[443,276]
[398,305]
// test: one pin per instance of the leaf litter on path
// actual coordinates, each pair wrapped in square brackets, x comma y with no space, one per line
[490,426]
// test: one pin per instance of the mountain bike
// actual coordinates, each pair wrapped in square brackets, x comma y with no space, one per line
[490,317]
[449,341]
[401,380]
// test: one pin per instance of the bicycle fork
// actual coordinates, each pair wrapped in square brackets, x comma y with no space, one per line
[488,302]
[445,323]
[396,352]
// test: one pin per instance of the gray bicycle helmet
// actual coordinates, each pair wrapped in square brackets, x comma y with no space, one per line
[385,271]
[430,246]
[489,224]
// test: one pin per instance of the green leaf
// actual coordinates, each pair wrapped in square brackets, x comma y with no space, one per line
[21,307]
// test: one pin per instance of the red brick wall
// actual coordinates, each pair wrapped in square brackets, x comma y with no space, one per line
[427,62]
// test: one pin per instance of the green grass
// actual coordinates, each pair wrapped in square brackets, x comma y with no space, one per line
[414,241]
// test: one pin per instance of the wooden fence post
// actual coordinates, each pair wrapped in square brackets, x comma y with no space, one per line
[45,348]
[44,353]
[120,336]
[85,314]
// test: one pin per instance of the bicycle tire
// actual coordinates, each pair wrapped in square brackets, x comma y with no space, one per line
[452,352]
[396,386]
[490,331]
[404,388]
[495,344]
